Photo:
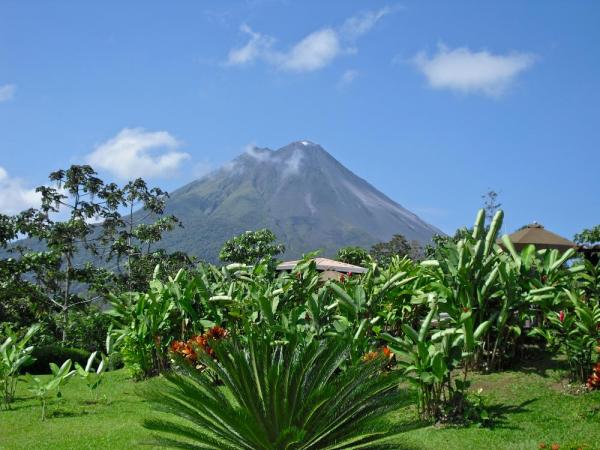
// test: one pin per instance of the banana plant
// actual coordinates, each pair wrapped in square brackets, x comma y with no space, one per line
[430,358]
[15,354]
[93,377]
[423,363]
[465,278]
[44,389]
[360,305]
[591,279]
[144,320]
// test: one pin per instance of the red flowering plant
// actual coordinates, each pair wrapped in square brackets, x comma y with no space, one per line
[200,343]
[574,331]
[593,381]
[384,353]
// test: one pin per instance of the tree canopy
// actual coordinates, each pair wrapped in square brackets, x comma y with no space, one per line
[250,247]
[352,255]
[588,236]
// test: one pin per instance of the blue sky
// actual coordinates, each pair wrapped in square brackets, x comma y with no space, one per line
[431,102]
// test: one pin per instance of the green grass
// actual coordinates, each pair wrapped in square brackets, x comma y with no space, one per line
[75,421]
[531,404]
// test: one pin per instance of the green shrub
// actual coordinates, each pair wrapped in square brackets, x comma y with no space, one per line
[57,355]
[15,354]
[281,396]
[115,361]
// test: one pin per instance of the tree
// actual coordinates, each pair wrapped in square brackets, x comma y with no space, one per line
[353,255]
[80,229]
[136,234]
[84,198]
[250,247]
[588,236]
[384,251]
[20,302]
[490,204]
[439,241]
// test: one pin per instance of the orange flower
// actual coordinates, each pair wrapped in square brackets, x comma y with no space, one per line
[184,349]
[200,341]
[217,332]
[370,356]
[555,446]
[387,352]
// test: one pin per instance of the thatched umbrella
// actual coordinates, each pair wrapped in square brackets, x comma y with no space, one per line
[537,235]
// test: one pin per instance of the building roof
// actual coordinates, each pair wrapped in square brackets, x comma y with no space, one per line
[537,235]
[324,264]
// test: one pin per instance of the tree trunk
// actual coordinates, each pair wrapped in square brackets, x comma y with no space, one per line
[65,308]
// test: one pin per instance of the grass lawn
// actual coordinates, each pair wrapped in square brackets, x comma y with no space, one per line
[531,404]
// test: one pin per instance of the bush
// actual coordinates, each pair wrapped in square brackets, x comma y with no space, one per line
[115,361]
[286,396]
[55,354]
[87,329]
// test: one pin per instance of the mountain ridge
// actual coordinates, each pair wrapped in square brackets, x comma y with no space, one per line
[300,191]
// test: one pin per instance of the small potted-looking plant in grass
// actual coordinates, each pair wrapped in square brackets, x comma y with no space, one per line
[93,377]
[43,389]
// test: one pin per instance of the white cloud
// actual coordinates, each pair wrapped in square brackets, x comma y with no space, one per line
[135,152]
[291,165]
[288,165]
[257,47]
[362,23]
[347,78]
[202,168]
[261,155]
[7,92]
[315,51]
[466,71]
[14,196]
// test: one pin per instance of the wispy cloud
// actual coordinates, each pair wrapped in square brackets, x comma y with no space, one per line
[7,92]
[348,78]
[135,152]
[202,168]
[313,52]
[288,164]
[258,46]
[14,196]
[467,71]
[355,26]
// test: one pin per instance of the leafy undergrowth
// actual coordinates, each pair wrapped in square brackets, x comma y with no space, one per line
[531,406]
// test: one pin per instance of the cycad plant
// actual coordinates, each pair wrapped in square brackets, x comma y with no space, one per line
[275,396]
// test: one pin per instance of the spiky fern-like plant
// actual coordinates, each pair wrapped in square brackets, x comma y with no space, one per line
[275,396]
